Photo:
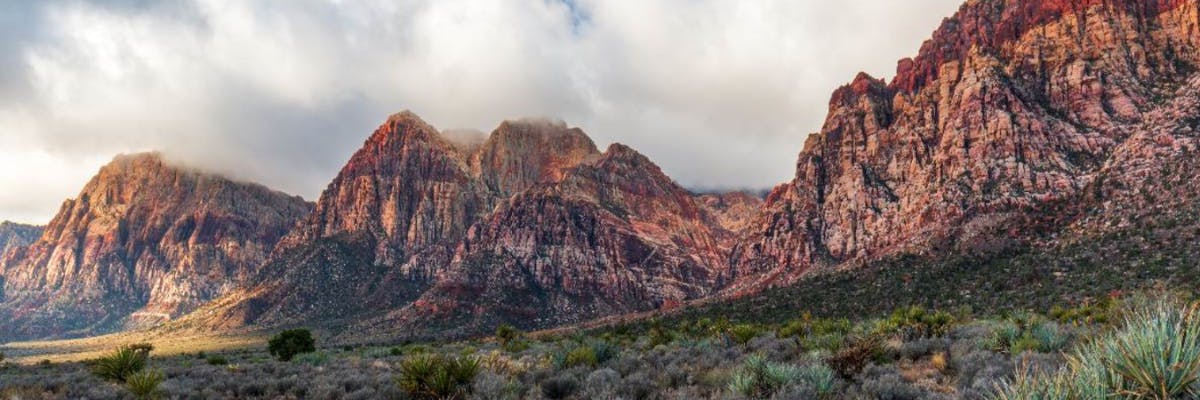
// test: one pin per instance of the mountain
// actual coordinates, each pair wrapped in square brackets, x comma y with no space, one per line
[144,241]
[1018,124]
[435,233]
[13,235]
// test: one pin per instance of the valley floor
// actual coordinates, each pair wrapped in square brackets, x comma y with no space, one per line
[911,354]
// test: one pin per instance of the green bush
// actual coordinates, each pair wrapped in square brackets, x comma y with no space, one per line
[122,363]
[506,333]
[433,377]
[396,352]
[915,322]
[217,360]
[144,384]
[289,343]
[582,355]
[742,334]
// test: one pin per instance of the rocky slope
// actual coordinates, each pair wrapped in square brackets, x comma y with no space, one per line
[419,231]
[1012,120]
[144,241]
[13,235]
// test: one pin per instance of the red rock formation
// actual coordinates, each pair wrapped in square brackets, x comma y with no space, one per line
[614,235]
[1011,107]
[13,235]
[144,241]
[533,220]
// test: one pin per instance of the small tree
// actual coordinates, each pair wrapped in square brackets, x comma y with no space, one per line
[289,343]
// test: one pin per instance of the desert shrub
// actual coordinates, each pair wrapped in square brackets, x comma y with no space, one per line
[1025,333]
[602,383]
[915,322]
[657,335]
[819,377]
[506,333]
[144,384]
[892,387]
[831,342]
[489,385]
[638,386]
[559,387]
[582,355]
[314,358]
[122,363]
[1050,337]
[395,352]
[854,355]
[757,378]
[217,360]
[437,377]
[1100,312]
[289,343]
[741,334]
[604,351]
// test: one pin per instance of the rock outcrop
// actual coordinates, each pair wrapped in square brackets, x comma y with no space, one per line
[1010,111]
[13,235]
[144,241]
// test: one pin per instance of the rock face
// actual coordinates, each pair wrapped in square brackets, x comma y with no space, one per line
[13,235]
[419,233]
[144,241]
[1012,110]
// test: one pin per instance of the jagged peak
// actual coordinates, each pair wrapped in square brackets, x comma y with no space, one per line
[625,156]
[989,24]
[862,85]
[541,129]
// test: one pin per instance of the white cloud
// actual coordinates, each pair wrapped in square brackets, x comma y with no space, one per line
[721,93]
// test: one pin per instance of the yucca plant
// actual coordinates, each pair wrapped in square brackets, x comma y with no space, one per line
[758,378]
[437,377]
[122,363]
[819,377]
[1156,353]
[1050,337]
[144,384]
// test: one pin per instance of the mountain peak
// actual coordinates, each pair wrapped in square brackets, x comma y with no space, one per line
[522,153]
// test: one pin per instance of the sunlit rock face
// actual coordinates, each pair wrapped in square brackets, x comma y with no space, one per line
[1012,109]
[145,241]
[422,231]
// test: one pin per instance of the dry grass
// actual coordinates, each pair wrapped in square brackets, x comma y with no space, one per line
[70,350]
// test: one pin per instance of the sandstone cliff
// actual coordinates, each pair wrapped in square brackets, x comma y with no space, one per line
[1011,109]
[143,242]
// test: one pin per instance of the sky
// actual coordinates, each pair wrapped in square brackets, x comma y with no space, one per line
[720,93]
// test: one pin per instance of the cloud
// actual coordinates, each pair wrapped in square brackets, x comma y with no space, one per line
[721,93]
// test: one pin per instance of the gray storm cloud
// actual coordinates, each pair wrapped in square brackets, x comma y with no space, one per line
[720,93]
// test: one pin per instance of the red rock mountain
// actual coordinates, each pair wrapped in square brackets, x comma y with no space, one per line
[532,221]
[1014,114]
[144,241]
